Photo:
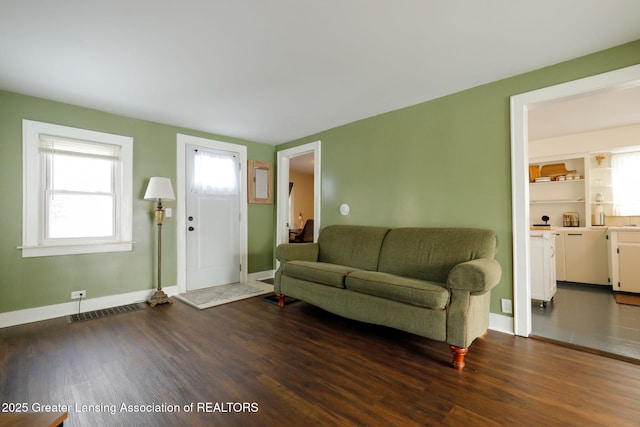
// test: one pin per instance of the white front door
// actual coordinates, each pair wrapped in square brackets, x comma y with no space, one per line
[212,217]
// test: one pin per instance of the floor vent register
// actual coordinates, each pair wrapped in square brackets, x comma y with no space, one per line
[98,314]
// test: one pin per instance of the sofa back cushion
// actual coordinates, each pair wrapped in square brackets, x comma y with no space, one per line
[351,245]
[431,253]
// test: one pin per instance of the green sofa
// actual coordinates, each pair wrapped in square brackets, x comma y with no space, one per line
[432,282]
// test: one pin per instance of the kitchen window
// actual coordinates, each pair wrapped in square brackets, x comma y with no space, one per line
[625,179]
[77,191]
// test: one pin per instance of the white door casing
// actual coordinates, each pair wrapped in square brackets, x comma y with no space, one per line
[520,105]
[282,214]
[181,202]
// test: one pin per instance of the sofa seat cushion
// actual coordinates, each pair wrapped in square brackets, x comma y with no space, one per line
[318,272]
[410,291]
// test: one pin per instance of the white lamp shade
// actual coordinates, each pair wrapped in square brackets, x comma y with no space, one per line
[159,188]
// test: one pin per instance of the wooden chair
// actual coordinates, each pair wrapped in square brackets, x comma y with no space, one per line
[305,235]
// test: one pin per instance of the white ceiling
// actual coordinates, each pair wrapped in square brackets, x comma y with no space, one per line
[603,109]
[276,70]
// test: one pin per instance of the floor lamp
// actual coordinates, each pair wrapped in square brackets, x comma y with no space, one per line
[159,189]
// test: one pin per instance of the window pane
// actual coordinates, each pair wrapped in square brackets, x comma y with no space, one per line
[79,173]
[79,215]
[625,170]
[214,173]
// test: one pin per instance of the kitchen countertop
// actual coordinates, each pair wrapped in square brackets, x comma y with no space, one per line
[633,228]
[628,228]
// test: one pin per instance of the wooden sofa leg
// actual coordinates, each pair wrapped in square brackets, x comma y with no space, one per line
[458,356]
[281,300]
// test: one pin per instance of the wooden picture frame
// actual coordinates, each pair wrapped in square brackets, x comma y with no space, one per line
[260,182]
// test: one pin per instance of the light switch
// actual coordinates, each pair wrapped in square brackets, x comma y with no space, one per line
[168,212]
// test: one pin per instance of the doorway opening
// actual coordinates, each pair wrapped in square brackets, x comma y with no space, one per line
[299,184]
[520,106]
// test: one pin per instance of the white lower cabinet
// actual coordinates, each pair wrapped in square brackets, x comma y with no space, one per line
[584,256]
[625,261]
[560,271]
[542,251]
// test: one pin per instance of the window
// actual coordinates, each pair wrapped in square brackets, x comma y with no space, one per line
[215,173]
[625,180]
[77,191]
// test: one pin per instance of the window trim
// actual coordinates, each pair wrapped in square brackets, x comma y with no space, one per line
[33,244]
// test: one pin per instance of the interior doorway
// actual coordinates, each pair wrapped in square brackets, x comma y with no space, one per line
[520,105]
[300,164]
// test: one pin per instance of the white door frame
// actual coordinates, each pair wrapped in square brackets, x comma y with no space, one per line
[282,230]
[520,105]
[181,202]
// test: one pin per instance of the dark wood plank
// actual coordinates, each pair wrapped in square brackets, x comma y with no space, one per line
[43,419]
[302,366]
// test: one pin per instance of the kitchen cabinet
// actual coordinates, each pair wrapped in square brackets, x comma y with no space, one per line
[560,271]
[600,188]
[585,256]
[555,197]
[625,260]
[543,266]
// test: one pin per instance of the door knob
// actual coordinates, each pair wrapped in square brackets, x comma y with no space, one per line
[191,228]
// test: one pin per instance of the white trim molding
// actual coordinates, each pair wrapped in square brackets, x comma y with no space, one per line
[34,241]
[282,229]
[36,314]
[501,323]
[520,105]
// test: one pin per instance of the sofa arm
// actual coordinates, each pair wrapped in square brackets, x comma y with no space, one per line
[478,275]
[293,252]
[297,252]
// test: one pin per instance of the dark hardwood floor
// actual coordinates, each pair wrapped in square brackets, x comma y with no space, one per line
[301,366]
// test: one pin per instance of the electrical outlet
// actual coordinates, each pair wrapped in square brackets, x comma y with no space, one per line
[78,294]
[506,305]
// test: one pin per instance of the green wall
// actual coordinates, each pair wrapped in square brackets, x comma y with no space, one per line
[445,162]
[34,282]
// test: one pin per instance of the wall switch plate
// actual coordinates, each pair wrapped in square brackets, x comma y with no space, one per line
[168,212]
[506,305]
[78,294]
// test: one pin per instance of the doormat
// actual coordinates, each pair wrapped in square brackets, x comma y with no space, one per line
[273,299]
[627,299]
[98,314]
[223,294]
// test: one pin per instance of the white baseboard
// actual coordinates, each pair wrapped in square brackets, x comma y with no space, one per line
[37,314]
[500,323]
[261,275]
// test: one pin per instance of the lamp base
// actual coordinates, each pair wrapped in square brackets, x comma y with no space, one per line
[159,297]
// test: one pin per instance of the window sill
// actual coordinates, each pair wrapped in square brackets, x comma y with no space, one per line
[39,251]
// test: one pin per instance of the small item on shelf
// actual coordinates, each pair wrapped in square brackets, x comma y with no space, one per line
[598,215]
[534,172]
[543,179]
[570,219]
[544,226]
[554,170]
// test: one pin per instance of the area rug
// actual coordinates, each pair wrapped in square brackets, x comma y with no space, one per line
[223,294]
[627,299]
